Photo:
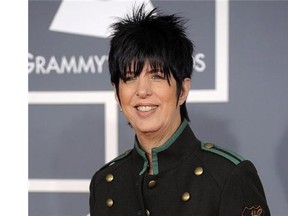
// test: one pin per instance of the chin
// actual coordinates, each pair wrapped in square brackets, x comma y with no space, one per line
[146,128]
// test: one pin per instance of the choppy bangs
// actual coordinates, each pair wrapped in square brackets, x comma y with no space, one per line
[134,61]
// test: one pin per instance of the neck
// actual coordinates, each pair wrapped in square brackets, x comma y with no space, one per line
[151,140]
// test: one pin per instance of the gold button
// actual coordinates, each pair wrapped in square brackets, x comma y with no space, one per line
[109,177]
[152,184]
[147,212]
[109,202]
[198,171]
[185,196]
[208,145]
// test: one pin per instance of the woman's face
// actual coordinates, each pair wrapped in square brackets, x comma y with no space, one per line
[149,102]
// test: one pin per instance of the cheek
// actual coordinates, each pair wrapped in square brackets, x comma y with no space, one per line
[169,94]
[125,96]
[169,100]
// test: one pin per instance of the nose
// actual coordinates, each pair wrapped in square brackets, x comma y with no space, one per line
[143,88]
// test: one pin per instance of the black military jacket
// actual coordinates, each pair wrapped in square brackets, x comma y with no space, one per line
[189,178]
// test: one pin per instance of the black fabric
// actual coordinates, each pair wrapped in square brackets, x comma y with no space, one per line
[223,189]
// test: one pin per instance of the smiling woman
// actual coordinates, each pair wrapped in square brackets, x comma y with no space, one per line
[169,171]
[150,104]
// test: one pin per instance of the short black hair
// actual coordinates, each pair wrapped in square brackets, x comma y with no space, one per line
[155,38]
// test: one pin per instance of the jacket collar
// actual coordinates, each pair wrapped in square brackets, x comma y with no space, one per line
[168,155]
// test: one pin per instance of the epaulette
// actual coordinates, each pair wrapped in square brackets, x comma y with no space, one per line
[226,153]
[121,156]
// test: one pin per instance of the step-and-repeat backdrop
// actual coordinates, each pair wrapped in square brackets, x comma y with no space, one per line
[238,97]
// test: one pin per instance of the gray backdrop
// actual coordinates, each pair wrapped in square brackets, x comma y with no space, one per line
[238,98]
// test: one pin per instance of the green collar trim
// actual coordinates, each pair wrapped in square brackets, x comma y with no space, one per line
[143,155]
[226,153]
[155,151]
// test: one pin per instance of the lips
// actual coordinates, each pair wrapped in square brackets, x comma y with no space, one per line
[145,108]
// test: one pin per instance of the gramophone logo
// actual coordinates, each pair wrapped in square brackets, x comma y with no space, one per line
[91,18]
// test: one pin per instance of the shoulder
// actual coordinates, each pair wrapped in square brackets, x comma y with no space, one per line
[219,162]
[237,178]
[218,152]
[112,165]
[117,159]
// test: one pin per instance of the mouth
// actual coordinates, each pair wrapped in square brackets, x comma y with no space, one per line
[145,108]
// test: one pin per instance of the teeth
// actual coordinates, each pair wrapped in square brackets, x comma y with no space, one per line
[145,108]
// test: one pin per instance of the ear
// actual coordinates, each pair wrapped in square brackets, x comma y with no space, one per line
[185,91]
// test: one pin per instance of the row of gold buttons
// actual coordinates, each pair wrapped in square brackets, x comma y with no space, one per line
[185,196]
[198,171]
[109,178]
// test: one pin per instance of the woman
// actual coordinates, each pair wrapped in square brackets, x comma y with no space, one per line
[169,171]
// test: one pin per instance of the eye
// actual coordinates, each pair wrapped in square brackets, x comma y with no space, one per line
[158,75]
[130,77]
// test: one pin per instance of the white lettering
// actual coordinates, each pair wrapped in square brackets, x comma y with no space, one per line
[199,63]
[40,61]
[100,62]
[68,66]
[52,65]
[31,65]
[73,65]
[78,65]
[86,66]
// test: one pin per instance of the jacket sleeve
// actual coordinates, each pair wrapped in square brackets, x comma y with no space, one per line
[243,193]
